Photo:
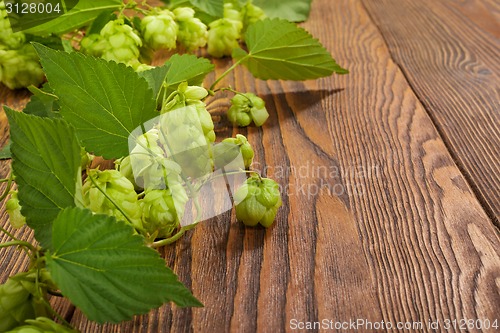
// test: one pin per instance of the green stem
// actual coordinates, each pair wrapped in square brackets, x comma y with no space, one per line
[18,243]
[7,189]
[174,238]
[226,72]
[8,233]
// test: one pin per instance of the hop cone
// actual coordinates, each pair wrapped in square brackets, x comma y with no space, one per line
[13,208]
[122,41]
[190,97]
[162,210]
[192,32]
[226,151]
[42,325]
[149,162]
[20,68]
[9,40]
[160,30]
[223,37]
[17,302]
[119,189]
[94,45]
[257,201]
[246,108]
[251,14]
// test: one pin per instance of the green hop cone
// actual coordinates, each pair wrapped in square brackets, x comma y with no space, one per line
[160,30]
[20,68]
[190,97]
[223,37]
[9,40]
[226,151]
[257,201]
[251,14]
[162,210]
[17,302]
[42,325]
[122,42]
[94,45]
[124,165]
[231,13]
[150,165]
[13,208]
[246,108]
[192,32]
[115,187]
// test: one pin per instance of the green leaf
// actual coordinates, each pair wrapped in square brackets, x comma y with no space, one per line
[291,10]
[177,69]
[104,101]
[155,77]
[46,162]
[212,7]
[187,67]
[80,15]
[280,50]
[43,103]
[107,271]
[5,152]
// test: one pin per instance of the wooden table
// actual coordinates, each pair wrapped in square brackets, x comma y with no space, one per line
[390,180]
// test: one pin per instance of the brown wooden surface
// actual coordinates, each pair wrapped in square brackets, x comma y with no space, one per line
[389,179]
[449,51]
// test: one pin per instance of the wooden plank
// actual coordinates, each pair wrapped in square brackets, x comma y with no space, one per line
[452,64]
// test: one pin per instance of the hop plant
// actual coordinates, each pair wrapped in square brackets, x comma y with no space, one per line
[9,40]
[223,37]
[20,68]
[94,45]
[160,30]
[257,201]
[251,14]
[190,97]
[246,108]
[226,151]
[123,41]
[42,325]
[17,302]
[192,32]
[13,208]
[231,13]
[109,192]
[162,210]
[149,162]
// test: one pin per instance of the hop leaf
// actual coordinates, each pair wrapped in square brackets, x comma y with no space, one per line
[160,30]
[257,201]
[246,108]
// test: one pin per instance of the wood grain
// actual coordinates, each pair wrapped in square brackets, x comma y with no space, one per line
[378,222]
[448,50]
